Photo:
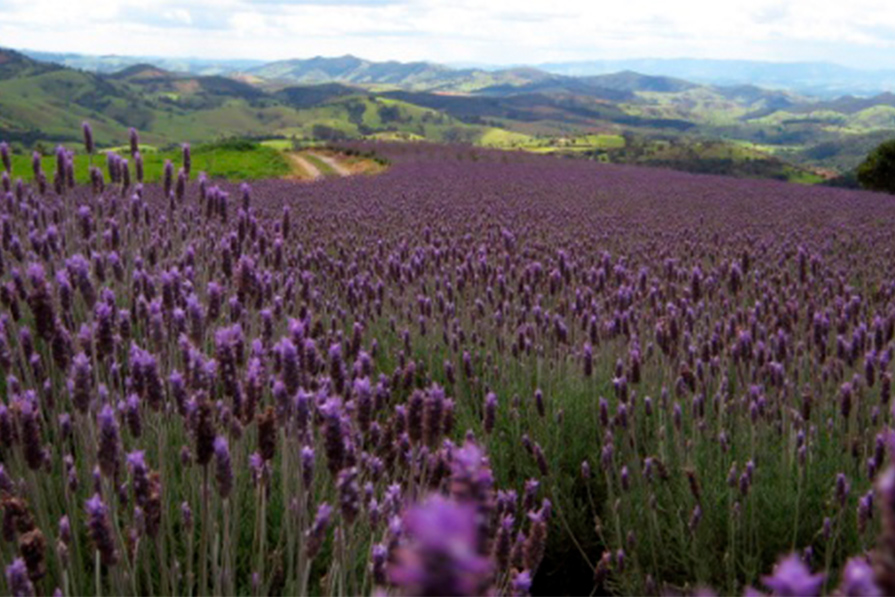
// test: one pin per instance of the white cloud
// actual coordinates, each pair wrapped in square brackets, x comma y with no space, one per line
[496,31]
[178,15]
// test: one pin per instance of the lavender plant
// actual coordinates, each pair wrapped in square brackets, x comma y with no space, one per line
[477,372]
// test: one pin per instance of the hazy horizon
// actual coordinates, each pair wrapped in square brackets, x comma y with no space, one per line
[502,33]
[454,65]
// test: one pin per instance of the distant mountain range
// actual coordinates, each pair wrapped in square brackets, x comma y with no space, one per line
[807,78]
[106,64]
[822,79]
[624,115]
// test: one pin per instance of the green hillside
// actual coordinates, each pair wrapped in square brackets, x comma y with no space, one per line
[48,106]
[758,132]
[233,161]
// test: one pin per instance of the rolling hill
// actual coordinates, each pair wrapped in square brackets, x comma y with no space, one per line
[665,119]
[46,103]
[821,79]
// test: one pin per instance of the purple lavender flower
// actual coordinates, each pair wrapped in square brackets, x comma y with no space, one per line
[104,330]
[363,395]
[36,165]
[606,456]
[40,302]
[541,460]
[521,584]
[246,192]
[134,139]
[317,533]
[33,547]
[585,470]
[337,367]
[267,433]
[61,157]
[112,166]
[416,405]
[307,466]
[450,374]
[349,494]
[490,411]
[792,578]
[65,529]
[17,581]
[695,518]
[177,386]
[168,177]
[100,530]
[5,157]
[187,159]
[109,448]
[539,403]
[536,542]
[858,579]
[503,542]
[186,515]
[290,364]
[223,467]
[439,556]
[434,415]
[152,388]
[842,489]
[205,433]
[29,420]
[379,557]
[285,225]
[471,478]
[124,169]
[334,442]
[136,463]
[845,400]
[88,137]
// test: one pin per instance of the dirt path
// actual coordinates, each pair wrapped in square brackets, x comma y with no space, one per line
[310,170]
[332,163]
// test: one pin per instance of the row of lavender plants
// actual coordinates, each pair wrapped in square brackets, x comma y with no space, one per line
[477,372]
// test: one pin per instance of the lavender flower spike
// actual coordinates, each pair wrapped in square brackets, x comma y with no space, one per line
[168,177]
[100,530]
[109,449]
[223,466]
[317,533]
[792,578]
[88,137]
[134,141]
[441,557]
[187,160]
[858,580]
[17,581]
[4,156]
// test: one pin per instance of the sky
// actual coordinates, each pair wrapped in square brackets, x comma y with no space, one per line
[857,33]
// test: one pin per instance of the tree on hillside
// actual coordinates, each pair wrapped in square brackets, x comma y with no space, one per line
[877,171]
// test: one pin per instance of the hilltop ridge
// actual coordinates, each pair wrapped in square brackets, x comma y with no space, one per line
[625,116]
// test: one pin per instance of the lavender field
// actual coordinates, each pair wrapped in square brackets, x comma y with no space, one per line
[478,372]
